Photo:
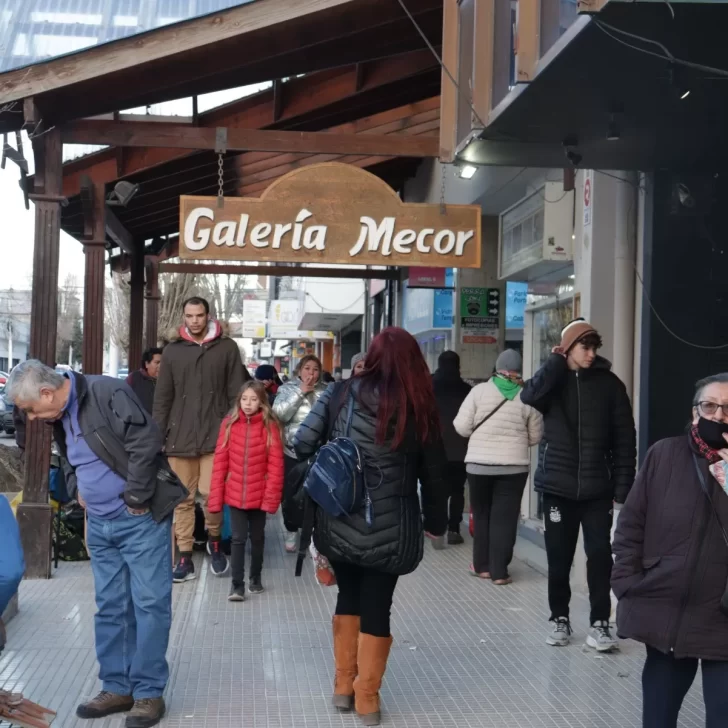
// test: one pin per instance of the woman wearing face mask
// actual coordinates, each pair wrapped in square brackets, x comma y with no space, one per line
[293,402]
[671,563]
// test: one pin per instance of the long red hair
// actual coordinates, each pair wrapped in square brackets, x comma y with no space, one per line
[397,378]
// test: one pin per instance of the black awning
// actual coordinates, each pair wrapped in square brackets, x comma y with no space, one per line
[591,77]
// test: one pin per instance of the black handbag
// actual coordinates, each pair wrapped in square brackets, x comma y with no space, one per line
[704,486]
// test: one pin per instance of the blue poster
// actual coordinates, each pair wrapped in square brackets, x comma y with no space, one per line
[442,318]
[516,297]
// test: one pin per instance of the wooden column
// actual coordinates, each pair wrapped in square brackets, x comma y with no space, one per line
[136,307]
[34,513]
[151,294]
[448,90]
[93,286]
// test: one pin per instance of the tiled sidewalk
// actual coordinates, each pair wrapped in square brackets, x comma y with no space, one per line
[467,654]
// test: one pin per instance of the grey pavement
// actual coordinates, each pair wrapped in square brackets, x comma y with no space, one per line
[467,654]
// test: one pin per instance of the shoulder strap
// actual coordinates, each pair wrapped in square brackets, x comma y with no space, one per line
[488,416]
[704,486]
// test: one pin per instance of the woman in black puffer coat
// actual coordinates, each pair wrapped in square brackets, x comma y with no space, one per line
[396,427]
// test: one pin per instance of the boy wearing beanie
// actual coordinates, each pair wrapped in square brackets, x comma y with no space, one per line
[586,464]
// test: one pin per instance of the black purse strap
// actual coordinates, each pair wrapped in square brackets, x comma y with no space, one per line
[704,486]
[487,417]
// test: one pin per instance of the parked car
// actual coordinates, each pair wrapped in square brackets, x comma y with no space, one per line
[4,378]
[6,415]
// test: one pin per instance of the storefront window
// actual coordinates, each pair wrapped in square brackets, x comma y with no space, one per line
[548,323]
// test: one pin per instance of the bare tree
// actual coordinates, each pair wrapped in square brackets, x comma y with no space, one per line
[69,331]
[174,290]
[117,300]
[226,293]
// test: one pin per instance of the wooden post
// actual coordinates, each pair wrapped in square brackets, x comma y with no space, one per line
[448,90]
[151,294]
[136,307]
[483,57]
[528,39]
[93,287]
[34,513]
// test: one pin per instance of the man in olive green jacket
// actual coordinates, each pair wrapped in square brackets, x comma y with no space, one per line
[199,380]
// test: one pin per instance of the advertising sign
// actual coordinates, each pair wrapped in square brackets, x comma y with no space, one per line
[479,315]
[431,278]
[442,317]
[330,213]
[516,298]
[254,315]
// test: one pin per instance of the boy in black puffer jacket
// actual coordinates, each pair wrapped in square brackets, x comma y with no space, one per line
[586,464]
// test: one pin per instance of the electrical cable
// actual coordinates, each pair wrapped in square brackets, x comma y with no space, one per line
[669,57]
[440,61]
[646,294]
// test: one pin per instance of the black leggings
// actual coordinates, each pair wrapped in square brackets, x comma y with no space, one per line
[243,524]
[365,593]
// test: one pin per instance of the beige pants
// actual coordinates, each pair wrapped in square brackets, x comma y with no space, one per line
[196,474]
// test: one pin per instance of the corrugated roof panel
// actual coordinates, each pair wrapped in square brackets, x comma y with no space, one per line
[36,30]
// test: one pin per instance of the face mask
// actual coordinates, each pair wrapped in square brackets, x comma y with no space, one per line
[712,432]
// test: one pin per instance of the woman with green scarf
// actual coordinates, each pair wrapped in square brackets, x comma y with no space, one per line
[501,429]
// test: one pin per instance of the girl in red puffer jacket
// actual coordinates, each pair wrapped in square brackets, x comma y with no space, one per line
[247,475]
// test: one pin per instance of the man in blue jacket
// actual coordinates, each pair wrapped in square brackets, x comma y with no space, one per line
[113,447]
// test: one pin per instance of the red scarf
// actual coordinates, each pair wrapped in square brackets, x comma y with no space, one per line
[706,451]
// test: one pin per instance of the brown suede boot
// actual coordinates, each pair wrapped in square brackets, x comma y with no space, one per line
[373,656]
[346,646]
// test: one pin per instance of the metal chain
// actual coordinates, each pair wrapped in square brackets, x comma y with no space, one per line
[220,182]
[443,210]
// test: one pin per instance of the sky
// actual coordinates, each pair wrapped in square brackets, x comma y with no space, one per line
[16,236]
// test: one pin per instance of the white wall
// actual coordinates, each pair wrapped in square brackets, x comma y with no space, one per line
[339,295]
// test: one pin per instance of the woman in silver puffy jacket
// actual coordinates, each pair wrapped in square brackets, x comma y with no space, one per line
[292,405]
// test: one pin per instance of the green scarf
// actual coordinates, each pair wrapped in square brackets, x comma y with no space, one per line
[509,388]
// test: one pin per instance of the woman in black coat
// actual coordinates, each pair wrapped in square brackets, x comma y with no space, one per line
[396,427]
[671,564]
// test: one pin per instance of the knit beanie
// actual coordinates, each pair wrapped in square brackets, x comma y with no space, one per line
[574,332]
[357,358]
[509,361]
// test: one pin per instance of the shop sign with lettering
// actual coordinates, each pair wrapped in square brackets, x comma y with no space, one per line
[330,213]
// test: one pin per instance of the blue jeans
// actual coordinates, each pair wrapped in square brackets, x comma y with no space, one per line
[12,564]
[131,561]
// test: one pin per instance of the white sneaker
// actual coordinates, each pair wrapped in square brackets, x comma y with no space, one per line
[600,638]
[291,541]
[560,634]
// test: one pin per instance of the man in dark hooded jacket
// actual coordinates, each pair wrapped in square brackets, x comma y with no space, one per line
[450,393]
[586,464]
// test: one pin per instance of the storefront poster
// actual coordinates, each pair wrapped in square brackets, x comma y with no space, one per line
[479,315]
[442,318]
[516,298]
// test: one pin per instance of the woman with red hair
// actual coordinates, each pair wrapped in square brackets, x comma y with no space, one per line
[396,428]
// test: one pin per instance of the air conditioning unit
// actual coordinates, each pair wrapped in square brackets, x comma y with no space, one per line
[535,234]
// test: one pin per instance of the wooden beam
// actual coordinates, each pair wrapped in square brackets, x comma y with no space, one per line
[277,99]
[315,92]
[279,270]
[136,307]
[138,134]
[199,33]
[448,90]
[527,39]
[483,50]
[590,6]
[118,233]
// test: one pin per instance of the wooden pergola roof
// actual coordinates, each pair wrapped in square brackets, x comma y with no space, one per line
[355,69]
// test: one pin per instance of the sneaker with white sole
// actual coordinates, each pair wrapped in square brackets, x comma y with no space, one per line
[600,638]
[560,633]
[218,561]
[291,541]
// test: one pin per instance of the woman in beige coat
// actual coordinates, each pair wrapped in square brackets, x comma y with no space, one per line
[501,430]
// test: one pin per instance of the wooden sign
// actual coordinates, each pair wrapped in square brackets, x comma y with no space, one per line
[330,213]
